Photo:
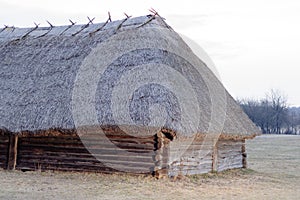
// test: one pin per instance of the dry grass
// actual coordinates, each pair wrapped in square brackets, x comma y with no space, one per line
[274,173]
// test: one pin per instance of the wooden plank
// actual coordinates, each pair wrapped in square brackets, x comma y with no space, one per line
[97,169]
[56,166]
[4,141]
[223,168]
[230,163]
[224,153]
[229,154]
[91,137]
[89,158]
[244,154]
[81,163]
[215,159]
[77,140]
[3,162]
[89,146]
[80,150]
[69,166]
[229,142]
[192,164]
[201,170]
[4,146]
[193,147]
[3,150]
[195,159]
[84,155]
[12,152]
[87,154]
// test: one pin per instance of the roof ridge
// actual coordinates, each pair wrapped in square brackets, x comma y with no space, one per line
[13,33]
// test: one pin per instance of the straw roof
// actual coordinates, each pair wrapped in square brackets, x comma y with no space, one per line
[47,76]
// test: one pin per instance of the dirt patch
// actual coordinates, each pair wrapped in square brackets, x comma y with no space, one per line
[274,173]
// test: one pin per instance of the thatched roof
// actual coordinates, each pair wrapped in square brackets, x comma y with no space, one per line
[50,78]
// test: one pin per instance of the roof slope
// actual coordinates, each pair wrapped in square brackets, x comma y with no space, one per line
[84,75]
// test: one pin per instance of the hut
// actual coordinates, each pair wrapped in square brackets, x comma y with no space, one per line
[123,96]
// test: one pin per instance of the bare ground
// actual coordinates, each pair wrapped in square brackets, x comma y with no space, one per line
[274,173]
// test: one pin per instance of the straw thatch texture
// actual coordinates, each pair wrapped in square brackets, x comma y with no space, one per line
[38,74]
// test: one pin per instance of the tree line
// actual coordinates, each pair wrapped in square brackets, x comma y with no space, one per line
[272,113]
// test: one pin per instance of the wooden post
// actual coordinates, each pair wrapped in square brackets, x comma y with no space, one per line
[215,158]
[244,154]
[12,152]
[162,156]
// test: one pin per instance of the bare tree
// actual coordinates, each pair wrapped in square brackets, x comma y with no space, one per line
[278,110]
[293,121]
[269,113]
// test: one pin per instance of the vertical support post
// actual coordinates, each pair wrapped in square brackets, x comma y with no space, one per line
[244,154]
[215,158]
[12,152]
[162,156]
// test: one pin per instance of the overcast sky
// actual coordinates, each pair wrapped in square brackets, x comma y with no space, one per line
[254,43]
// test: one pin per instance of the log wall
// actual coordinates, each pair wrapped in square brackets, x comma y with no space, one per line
[230,154]
[4,145]
[68,153]
[199,158]
[65,151]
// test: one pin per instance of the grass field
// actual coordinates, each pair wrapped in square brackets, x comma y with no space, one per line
[274,173]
